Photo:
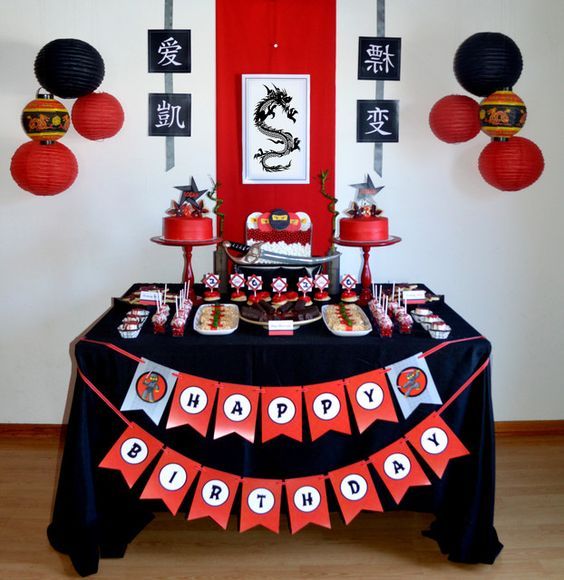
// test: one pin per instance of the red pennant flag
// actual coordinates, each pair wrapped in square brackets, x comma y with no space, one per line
[171,479]
[370,398]
[132,453]
[355,490]
[435,441]
[307,502]
[398,468]
[237,409]
[214,496]
[281,412]
[192,403]
[260,504]
[327,408]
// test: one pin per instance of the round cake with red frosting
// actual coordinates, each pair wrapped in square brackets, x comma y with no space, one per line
[187,228]
[364,229]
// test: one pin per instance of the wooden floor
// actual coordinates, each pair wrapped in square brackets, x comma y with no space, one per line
[529,520]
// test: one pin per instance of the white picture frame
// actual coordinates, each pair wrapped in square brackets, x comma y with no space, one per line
[280,103]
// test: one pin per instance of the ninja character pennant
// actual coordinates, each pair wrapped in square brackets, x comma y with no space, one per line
[192,403]
[397,467]
[237,409]
[281,412]
[260,504]
[214,496]
[132,453]
[413,384]
[327,409]
[307,502]
[355,490]
[150,389]
[171,479]
[435,441]
[371,399]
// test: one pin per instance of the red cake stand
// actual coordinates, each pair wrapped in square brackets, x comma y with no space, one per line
[366,278]
[187,245]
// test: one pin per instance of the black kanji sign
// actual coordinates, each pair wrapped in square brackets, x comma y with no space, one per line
[170,114]
[379,58]
[377,121]
[169,51]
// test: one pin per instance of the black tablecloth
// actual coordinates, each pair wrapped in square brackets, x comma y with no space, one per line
[96,514]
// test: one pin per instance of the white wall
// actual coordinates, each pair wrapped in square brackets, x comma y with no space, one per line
[495,255]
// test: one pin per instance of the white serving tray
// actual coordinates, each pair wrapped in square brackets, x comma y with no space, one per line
[347,332]
[220,332]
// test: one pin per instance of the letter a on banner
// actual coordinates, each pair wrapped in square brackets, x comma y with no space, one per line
[413,384]
[260,504]
[132,453]
[192,403]
[327,409]
[435,441]
[307,502]
[237,408]
[397,467]
[281,412]
[214,496]
[355,490]
[171,479]
[150,389]
[371,398]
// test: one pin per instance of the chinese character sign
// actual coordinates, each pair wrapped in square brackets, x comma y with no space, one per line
[169,51]
[377,121]
[379,58]
[170,114]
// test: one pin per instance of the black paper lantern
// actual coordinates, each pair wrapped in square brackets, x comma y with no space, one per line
[69,68]
[487,62]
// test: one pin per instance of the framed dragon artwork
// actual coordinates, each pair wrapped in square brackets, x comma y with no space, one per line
[276,121]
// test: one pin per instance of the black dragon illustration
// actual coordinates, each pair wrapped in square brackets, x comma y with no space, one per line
[265,108]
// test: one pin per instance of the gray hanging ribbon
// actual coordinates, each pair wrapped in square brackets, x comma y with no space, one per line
[380,31]
[169,141]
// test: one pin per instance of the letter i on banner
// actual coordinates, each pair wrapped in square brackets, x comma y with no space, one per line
[397,467]
[355,490]
[171,479]
[435,441]
[214,496]
[132,453]
[327,408]
[192,403]
[260,504]
[307,502]
[371,399]
[237,408]
[281,412]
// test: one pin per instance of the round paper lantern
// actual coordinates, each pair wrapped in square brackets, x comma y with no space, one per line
[45,119]
[69,68]
[511,165]
[455,119]
[486,62]
[44,169]
[502,114]
[97,116]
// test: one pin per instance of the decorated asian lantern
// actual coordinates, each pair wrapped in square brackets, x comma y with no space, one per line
[502,114]
[511,165]
[69,68]
[45,119]
[44,169]
[455,119]
[486,62]
[97,116]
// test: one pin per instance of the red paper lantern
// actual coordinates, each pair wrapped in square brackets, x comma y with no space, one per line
[97,116]
[511,165]
[44,169]
[455,119]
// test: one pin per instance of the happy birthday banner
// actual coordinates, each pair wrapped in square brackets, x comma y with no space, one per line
[396,465]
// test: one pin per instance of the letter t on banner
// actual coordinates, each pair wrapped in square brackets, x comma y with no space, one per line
[260,504]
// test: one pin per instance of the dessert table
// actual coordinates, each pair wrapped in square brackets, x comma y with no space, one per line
[95,514]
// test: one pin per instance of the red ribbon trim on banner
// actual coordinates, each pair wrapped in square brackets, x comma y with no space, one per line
[104,398]
[463,387]
[113,347]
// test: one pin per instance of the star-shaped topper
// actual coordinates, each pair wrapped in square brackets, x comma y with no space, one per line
[188,203]
[366,191]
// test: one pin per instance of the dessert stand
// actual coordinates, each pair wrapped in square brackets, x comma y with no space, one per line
[187,245]
[366,277]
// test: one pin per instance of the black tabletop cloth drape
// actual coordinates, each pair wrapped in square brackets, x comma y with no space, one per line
[96,514]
